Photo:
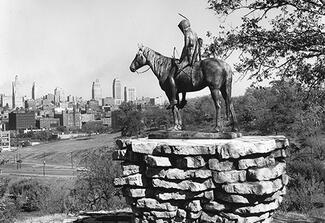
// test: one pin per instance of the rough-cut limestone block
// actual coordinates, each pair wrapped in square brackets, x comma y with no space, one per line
[122,143]
[231,198]
[215,164]
[260,208]
[190,162]
[285,179]
[214,207]
[194,206]
[135,192]
[164,214]
[279,153]
[176,146]
[177,174]
[281,141]
[277,195]
[180,215]
[184,185]
[184,195]
[153,204]
[231,176]
[233,148]
[210,218]
[240,219]
[257,162]
[257,188]
[194,215]
[239,148]
[157,161]
[119,154]
[129,169]
[266,173]
[135,180]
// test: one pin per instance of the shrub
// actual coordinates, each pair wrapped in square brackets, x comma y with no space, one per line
[93,189]
[8,210]
[28,194]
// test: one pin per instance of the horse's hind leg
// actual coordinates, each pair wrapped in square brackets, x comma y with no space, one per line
[214,94]
[226,94]
[226,98]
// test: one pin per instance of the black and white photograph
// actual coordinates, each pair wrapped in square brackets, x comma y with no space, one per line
[162,111]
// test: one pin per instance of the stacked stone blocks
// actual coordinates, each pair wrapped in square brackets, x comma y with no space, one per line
[217,180]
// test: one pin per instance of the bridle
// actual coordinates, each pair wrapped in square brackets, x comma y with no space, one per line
[141,72]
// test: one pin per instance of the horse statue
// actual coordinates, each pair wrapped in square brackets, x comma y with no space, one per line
[210,72]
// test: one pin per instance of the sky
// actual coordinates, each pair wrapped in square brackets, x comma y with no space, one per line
[71,43]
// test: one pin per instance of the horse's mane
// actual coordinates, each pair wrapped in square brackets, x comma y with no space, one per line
[162,64]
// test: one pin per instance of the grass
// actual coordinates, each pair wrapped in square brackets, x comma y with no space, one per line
[61,157]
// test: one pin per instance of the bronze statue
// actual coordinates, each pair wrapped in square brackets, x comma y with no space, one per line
[188,57]
[210,72]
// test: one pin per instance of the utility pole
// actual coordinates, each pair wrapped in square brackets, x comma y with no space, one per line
[71,160]
[44,164]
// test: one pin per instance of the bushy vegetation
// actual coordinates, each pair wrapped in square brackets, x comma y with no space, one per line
[93,189]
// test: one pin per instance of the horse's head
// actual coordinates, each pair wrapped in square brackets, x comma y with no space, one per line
[139,61]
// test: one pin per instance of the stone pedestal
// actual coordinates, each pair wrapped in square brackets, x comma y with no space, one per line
[203,180]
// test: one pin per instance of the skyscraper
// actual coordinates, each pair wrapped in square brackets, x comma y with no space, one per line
[57,95]
[96,92]
[130,94]
[117,91]
[17,98]
[34,91]
[125,94]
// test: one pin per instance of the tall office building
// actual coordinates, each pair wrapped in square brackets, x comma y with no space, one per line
[96,92]
[34,91]
[57,95]
[125,94]
[130,94]
[17,98]
[117,89]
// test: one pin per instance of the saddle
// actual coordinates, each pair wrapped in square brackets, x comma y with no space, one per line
[186,69]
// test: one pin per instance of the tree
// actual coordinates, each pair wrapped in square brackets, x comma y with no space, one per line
[94,189]
[283,37]
[132,119]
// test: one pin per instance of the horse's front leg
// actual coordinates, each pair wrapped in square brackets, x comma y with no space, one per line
[177,119]
[183,101]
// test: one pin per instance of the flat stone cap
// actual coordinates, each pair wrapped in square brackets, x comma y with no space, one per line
[225,148]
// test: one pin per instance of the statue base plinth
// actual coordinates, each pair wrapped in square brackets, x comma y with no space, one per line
[163,134]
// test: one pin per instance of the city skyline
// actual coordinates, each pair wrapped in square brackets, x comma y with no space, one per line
[59,94]
[70,44]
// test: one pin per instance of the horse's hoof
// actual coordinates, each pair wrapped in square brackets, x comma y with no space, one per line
[234,129]
[182,104]
[171,106]
[175,128]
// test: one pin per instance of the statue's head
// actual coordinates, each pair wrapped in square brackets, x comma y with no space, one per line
[139,60]
[184,25]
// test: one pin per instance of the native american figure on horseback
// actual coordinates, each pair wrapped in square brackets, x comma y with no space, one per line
[188,57]
[187,75]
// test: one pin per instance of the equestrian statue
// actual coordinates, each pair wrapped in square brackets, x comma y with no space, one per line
[188,74]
